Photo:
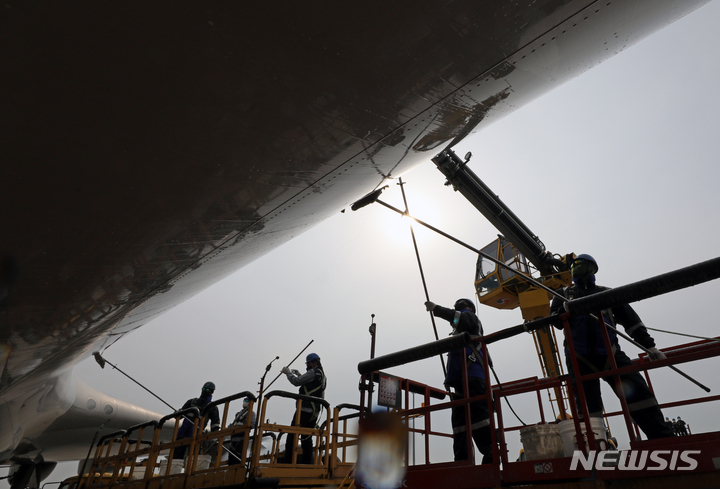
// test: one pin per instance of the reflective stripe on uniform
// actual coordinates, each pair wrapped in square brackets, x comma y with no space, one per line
[480,424]
[320,387]
[631,329]
[474,426]
[640,405]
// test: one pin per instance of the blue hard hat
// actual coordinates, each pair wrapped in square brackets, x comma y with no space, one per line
[209,386]
[461,304]
[583,265]
[312,357]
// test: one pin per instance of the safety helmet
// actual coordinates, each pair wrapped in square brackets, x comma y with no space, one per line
[312,357]
[246,401]
[583,265]
[208,386]
[461,304]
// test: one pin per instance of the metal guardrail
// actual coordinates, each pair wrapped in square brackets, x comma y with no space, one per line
[133,459]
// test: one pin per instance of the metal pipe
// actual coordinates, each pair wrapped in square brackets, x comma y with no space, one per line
[489,204]
[422,273]
[474,250]
[102,361]
[650,287]
[288,365]
[371,384]
[414,354]
[662,285]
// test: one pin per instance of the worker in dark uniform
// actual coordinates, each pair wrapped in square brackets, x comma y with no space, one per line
[311,383]
[213,416]
[593,357]
[237,440]
[463,319]
[681,427]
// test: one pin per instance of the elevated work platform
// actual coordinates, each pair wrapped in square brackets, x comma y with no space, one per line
[138,459]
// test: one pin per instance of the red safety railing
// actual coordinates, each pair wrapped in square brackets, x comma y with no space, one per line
[429,473]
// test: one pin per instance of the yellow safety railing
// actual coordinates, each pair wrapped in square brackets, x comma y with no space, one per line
[139,454]
[344,441]
[146,456]
[272,466]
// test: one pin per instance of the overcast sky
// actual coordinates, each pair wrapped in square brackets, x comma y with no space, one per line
[620,163]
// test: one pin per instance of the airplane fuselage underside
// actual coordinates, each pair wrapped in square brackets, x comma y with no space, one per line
[151,151]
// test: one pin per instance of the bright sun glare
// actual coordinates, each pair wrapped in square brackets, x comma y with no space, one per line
[397,227]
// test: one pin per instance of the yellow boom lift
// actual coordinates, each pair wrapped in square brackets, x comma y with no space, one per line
[525,255]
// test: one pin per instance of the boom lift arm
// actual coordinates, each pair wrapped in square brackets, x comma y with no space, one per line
[465,181]
[503,289]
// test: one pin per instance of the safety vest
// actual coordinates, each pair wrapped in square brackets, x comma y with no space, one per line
[241,420]
[314,388]
[457,357]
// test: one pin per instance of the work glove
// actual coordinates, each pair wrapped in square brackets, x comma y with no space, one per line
[296,372]
[656,354]
[429,306]
[286,370]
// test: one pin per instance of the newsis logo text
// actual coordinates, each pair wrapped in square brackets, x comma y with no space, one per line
[635,460]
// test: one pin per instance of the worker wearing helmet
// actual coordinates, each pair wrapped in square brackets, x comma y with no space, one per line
[463,319]
[592,355]
[210,414]
[237,440]
[681,427]
[311,383]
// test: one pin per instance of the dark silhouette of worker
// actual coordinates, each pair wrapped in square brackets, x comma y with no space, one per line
[237,440]
[213,416]
[593,357]
[681,427]
[463,319]
[312,383]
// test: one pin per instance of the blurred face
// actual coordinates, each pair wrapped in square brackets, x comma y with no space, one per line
[582,268]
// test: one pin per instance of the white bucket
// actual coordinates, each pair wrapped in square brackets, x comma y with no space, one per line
[176,467]
[567,434]
[138,473]
[203,462]
[542,441]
